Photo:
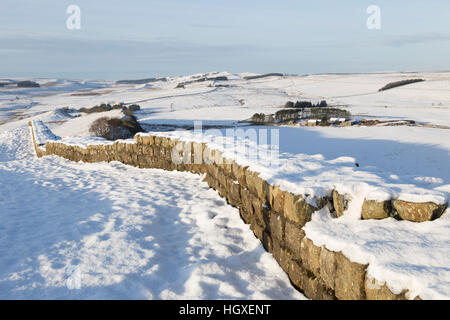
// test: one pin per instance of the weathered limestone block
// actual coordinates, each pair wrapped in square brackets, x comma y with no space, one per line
[418,212]
[350,278]
[120,146]
[339,203]
[165,142]
[258,231]
[147,150]
[239,173]
[228,187]
[256,184]
[76,154]
[128,147]
[246,216]
[379,291]
[293,235]
[261,214]
[222,190]
[137,139]
[170,166]
[290,206]
[227,167]
[148,140]
[134,159]
[235,192]
[267,241]
[297,210]
[281,255]
[327,264]
[212,182]
[309,283]
[310,256]
[199,169]
[276,198]
[211,170]
[157,140]
[372,209]
[276,227]
[142,161]
[247,200]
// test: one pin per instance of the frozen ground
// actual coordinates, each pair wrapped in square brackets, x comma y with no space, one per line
[409,163]
[109,231]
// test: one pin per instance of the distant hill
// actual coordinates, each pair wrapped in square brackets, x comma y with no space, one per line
[140,81]
[264,76]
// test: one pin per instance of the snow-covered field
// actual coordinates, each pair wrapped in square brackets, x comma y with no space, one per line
[121,232]
[110,231]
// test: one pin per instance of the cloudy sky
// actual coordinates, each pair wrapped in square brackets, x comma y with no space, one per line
[144,38]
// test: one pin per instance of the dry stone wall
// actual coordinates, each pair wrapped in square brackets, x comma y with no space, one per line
[276,217]
[401,210]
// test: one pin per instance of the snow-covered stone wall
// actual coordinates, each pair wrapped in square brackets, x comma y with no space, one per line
[276,217]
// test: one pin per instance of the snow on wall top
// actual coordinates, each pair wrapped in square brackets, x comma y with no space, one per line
[313,175]
[42,133]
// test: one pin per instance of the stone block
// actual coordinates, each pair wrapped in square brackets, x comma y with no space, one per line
[350,279]
[276,198]
[293,235]
[339,203]
[258,231]
[267,241]
[247,200]
[256,185]
[296,209]
[258,212]
[307,282]
[327,265]
[372,209]
[418,212]
[310,256]
[239,173]
[276,227]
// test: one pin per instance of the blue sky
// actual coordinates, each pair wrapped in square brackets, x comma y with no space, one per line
[141,38]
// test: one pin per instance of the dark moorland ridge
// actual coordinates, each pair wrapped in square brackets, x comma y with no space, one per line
[140,81]
[108,107]
[202,79]
[20,84]
[264,76]
[400,83]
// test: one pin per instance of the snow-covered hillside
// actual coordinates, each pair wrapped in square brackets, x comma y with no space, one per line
[74,230]
[110,231]
[237,98]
